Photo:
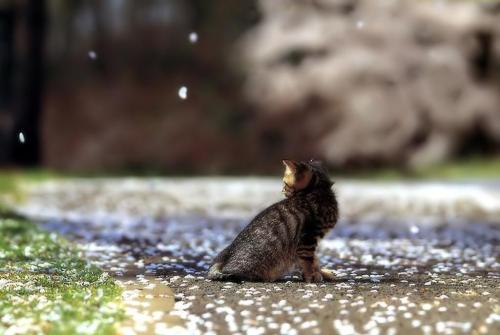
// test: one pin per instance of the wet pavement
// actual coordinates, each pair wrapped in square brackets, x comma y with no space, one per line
[417,258]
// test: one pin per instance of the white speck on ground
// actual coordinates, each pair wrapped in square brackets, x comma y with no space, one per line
[414,229]
[246,302]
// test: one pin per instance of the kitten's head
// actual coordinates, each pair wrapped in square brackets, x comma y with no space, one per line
[304,175]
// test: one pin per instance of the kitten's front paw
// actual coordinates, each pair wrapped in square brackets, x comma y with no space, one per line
[314,277]
[327,274]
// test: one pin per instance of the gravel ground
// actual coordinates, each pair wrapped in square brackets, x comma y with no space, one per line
[417,258]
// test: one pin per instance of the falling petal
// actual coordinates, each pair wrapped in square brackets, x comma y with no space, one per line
[92,55]
[183,92]
[193,37]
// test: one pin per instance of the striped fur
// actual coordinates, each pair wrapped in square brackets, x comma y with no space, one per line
[286,234]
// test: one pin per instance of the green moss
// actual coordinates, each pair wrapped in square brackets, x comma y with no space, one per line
[11,184]
[11,180]
[46,287]
[475,167]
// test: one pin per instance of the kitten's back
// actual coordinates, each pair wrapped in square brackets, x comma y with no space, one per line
[262,250]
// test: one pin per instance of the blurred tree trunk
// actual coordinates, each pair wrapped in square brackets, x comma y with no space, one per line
[6,79]
[31,20]
[101,36]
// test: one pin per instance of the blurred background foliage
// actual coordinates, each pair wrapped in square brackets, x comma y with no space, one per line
[93,85]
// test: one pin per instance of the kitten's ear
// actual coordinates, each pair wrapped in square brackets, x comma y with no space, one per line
[303,178]
[297,174]
[290,165]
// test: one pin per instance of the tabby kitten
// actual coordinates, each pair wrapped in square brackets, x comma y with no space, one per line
[286,234]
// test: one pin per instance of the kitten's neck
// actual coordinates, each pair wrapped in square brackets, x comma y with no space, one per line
[316,190]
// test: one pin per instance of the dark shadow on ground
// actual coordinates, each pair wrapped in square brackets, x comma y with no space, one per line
[180,246]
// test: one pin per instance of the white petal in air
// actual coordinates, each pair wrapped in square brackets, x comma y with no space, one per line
[21,137]
[193,37]
[360,24]
[414,229]
[183,92]
[92,55]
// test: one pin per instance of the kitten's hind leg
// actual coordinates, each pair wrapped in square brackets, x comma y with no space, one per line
[215,273]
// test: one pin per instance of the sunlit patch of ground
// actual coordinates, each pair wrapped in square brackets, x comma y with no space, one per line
[148,303]
[46,287]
